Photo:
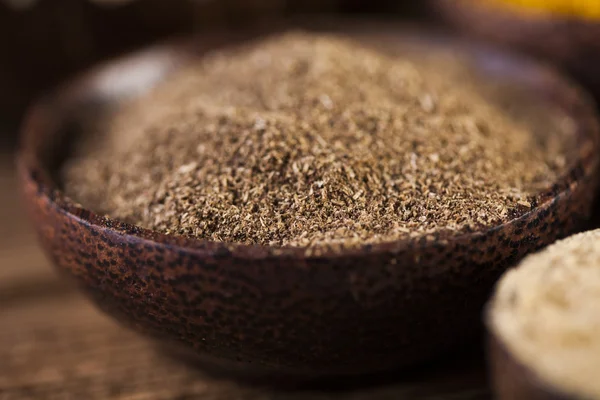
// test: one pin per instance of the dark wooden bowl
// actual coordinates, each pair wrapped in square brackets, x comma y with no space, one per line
[573,44]
[266,311]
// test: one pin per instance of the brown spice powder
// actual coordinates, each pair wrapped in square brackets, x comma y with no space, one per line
[302,139]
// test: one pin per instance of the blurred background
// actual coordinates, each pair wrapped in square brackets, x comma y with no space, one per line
[44,41]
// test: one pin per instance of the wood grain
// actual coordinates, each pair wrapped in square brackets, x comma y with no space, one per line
[55,345]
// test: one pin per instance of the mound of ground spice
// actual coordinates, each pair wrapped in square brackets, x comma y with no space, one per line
[301,139]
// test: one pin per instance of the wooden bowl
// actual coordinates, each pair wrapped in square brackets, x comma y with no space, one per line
[573,44]
[279,312]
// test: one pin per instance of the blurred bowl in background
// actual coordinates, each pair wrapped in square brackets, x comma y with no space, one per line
[571,41]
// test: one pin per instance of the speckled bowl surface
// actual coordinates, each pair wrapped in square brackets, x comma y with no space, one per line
[268,311]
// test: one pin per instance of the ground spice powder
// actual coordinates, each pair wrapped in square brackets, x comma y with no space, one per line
[304,139]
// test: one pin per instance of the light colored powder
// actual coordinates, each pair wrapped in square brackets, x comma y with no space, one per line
[547,313]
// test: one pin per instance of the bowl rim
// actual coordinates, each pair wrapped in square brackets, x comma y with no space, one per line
[45,116]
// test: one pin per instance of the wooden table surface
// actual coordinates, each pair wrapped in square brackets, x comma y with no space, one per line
[55,345]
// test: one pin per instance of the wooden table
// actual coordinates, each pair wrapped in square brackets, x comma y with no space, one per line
[55,345]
